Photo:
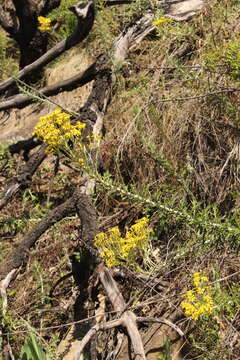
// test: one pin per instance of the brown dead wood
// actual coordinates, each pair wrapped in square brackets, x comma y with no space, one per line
[79,203]
[126,318]
[22,100]
[85,14]
[24,176]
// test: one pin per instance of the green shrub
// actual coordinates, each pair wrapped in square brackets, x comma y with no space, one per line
[228,54]
[65,17]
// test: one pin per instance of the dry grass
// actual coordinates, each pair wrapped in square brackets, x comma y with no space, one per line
[189,149]
[198,136]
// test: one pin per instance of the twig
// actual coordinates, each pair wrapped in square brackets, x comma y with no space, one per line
[230,90]
[99,327]
[161,321]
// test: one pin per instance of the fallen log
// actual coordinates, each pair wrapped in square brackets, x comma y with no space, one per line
[85,15]
[78,202]
[21,100]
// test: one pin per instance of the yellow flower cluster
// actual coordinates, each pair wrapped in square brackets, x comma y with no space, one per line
[160,21]
[45,24]
[114,248]
[198,301]
[55,129]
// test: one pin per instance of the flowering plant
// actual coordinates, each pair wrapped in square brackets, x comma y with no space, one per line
[45,24]
[160,21]
[55,129]
[198,300]
[114,248]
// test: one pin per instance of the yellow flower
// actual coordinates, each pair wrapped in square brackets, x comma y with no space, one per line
[55,129]
[198,300]
[190,295]
[81,161]
[160,21]
[114,248]
[45,24]
[200,290]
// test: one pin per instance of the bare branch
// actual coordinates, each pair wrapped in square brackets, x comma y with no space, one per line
[119,305]
[85,15]
[3,288]
[99,327]
[81,79]
[24,175]
[161,321]
[77,202]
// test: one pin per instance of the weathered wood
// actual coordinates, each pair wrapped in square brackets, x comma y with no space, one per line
[79,203]
[85,14]
[22,100]
[120,306]
[24,176]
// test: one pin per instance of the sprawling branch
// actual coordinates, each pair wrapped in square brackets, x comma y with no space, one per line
[85,15]
[24,176]
[81,79]
[127,318]
[79,203]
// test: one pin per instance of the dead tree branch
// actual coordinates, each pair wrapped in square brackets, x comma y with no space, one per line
[161,321]
[98,327]
[79,203]
[22,100]
[119,305]
[85,14]
[127,318]
[3,289]
[24,176]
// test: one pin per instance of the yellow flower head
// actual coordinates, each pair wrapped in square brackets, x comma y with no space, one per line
[55,129]
[44,24]
[198,300]
[160,21]
[114,248]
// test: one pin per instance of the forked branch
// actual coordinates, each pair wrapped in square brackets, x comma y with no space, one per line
[127,318]
[85,14]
